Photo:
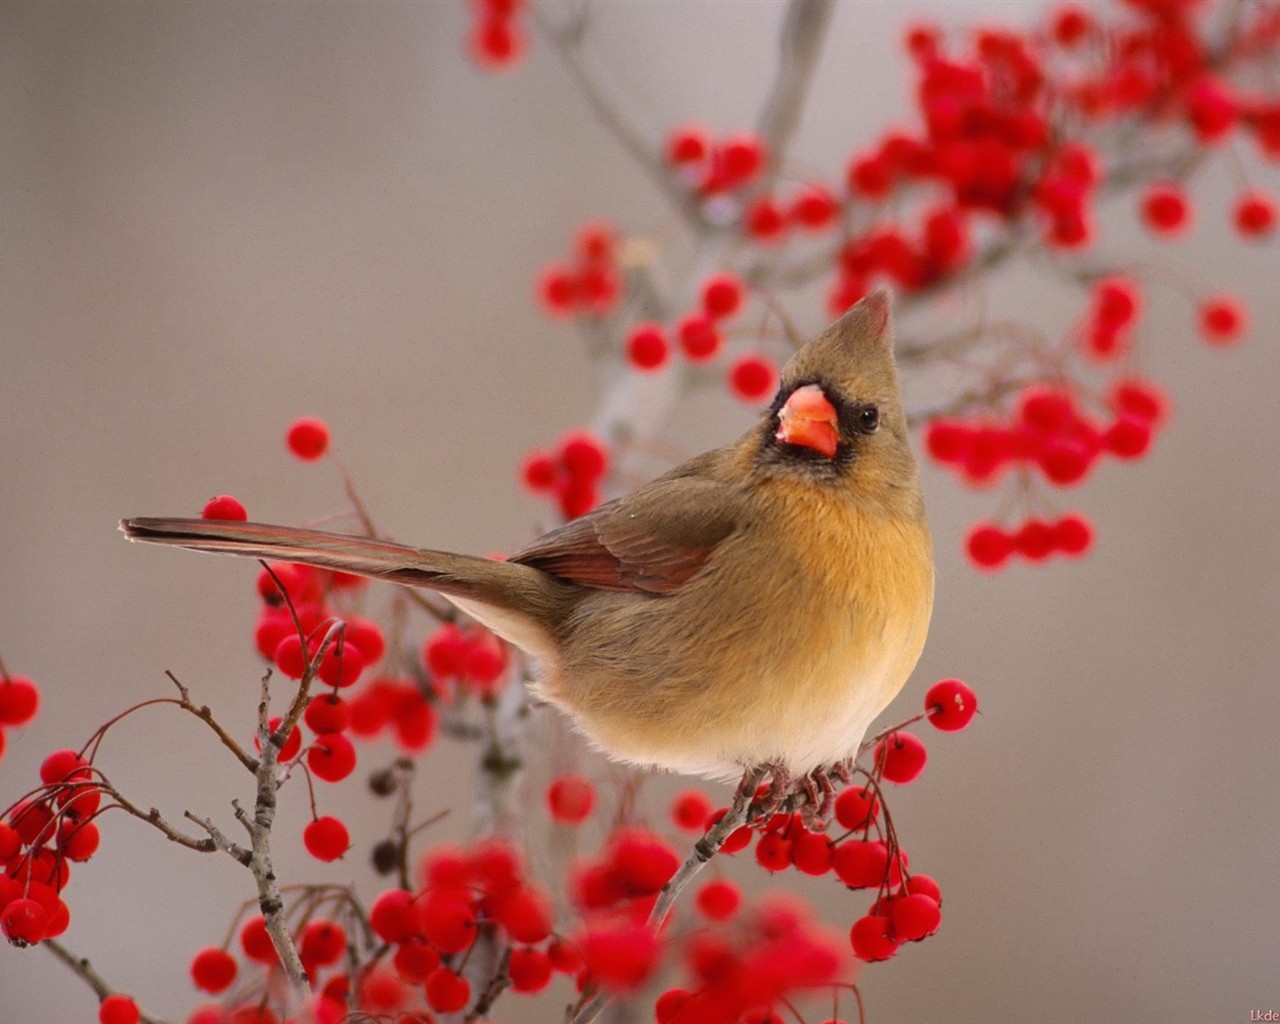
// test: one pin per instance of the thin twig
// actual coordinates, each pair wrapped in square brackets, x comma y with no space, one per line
[81,967]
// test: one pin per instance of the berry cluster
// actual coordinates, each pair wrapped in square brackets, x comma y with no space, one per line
[590,285]
[473,660]
[41,835]
[572,474]
[712,166]
[1014,144]
[1047,431]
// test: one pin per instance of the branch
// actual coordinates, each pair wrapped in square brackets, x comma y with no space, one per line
[81,967]
[205,715]
[803,30]
[566,40]
[498,984]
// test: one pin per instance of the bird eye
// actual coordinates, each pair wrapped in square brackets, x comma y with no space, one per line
[869,420]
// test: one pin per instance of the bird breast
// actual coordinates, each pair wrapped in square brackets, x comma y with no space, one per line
[783,650]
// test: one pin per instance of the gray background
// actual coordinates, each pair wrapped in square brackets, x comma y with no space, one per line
[218,217]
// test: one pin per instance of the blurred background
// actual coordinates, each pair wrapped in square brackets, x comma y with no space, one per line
[220,216]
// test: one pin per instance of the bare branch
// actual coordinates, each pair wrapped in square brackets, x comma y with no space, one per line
[803,30]
[81,967]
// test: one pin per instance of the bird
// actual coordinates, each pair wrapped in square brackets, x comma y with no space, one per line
[745,615]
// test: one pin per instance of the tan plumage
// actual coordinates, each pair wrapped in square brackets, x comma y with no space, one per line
[759,604]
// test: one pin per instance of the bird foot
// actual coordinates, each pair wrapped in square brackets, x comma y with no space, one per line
[813,794]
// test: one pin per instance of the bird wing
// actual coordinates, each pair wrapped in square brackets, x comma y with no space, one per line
[652,541]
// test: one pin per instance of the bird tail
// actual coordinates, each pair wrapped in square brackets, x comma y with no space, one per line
[499,584]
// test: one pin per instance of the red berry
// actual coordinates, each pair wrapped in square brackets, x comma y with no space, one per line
[951,705]
[118,1009]
[558,291]
[1166,210]
[1222,320]
[1212,108]
[1065,461]
[668,1007]
[24,922]
[1116,301]
[447,992]
[326,838]
[722,296]
[926,886]
[366,635]
[450,926]
[814,208]
[1129,437]
[327,713]
[255,940]
[289,656]
[687,145]
[989,546]
[947,440]
[870,176]
[699,337]
[872,938]
[1070,26]
[10,843]
[620,957]
[213,970]
[414,961]
[857,807]
[600,288]
[525,913]
[861,863]
[77,841]
[342,664]
[19,700]
[497,43]
[765,221]
[1140,397]
[753,378]
[739,159]
[914,916]
[538,471]
[322,943]
[773,852]
[584,455]
[901,757]
[331,757]
[530,970]
[690,810]
[308,438]
[811,852]
[1072,535]
[571,799]
[1034,540]
[1255,214]
[718,900]
[224,506]
[647,347]
[63,766]
[595,241]
[395,916]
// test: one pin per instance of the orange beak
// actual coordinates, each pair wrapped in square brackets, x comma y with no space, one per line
[808,419]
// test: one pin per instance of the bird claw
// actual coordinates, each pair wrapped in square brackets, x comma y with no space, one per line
[814,794]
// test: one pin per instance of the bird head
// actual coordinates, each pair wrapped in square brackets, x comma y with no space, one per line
[837,417]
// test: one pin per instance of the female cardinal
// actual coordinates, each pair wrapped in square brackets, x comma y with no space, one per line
[755,607]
